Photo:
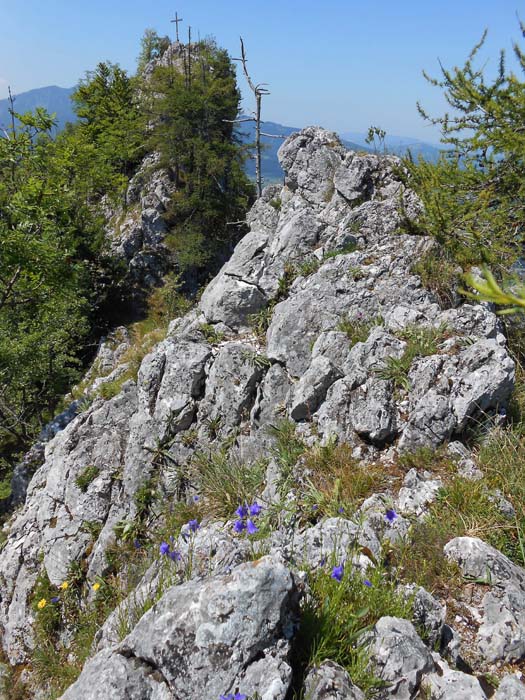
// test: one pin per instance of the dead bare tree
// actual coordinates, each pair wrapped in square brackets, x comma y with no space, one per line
[259,91]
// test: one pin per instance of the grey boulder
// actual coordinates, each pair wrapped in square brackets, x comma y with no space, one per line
[201,640]
[329,681]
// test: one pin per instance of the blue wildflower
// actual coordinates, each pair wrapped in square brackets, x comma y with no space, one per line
[239,526]
[255,509]
[193,525]
[195,499]
[251,528]
[242,511]
[164,548]
[315,506]
[175,556]
[341,509]
[337,572]
[323,561]
[390,515]
[367,583]
[55,599]
[136,544]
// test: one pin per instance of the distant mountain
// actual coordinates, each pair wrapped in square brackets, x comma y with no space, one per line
[401,145]
[53,98]
[57,100]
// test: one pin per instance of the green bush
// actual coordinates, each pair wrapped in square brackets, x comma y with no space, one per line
[86,476]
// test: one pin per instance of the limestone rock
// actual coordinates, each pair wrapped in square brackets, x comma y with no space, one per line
[501,637]
[448,684]
[429,615]
[311,389]
[203,640]
[510,688]
[481,561]
[417,492]
[399,657]
[330,682]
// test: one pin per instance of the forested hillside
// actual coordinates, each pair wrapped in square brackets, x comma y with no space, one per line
[61,286]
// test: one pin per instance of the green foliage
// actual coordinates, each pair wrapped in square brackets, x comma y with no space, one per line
[212,335]
[286,450]
[487,289]
[335,616]
[257,360]
[420,559]
[309,267]
[421,342]
[376,137]
[338,481]
[164,304]
[439,274]
[152,47]
[345,250]
[436,460]
[358,329]
[260,322]
[474,202]
[86,476]
[111,121]
[55,662]
[192,114]
[43,311]
[224,481]
[502,460]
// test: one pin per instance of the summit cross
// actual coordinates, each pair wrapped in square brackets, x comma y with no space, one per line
[176,21]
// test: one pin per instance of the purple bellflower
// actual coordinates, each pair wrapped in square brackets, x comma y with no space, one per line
[337,572]
[242,511]
[239,526]
[251,528]
[255,509]
[193,525]
[390,515]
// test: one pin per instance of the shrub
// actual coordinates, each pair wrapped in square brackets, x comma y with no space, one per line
[336,615]
[224,481]
[86,476]
[358,329]
[338,481]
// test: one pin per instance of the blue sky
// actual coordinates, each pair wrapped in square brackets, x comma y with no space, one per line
[342,64]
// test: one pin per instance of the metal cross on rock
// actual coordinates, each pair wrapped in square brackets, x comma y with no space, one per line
[176,21]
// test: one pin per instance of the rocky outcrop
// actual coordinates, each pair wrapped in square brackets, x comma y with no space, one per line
[501,635]
[331,682]
[203,640]
[327,270]
[136,231]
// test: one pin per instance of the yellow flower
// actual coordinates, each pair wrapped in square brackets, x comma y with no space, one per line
[64,586]
[42,604]
[96,586]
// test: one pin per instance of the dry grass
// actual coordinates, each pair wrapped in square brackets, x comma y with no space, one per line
[335,480]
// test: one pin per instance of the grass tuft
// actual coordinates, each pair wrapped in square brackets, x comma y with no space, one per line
[335,617]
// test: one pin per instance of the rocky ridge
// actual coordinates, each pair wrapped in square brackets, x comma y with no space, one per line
[347,345]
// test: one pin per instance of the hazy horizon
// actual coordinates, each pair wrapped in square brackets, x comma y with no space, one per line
[345,67]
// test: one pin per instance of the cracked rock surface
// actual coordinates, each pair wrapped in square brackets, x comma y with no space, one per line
[203,640]
[310,316]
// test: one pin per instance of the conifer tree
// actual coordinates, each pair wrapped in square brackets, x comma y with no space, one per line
[474,196]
